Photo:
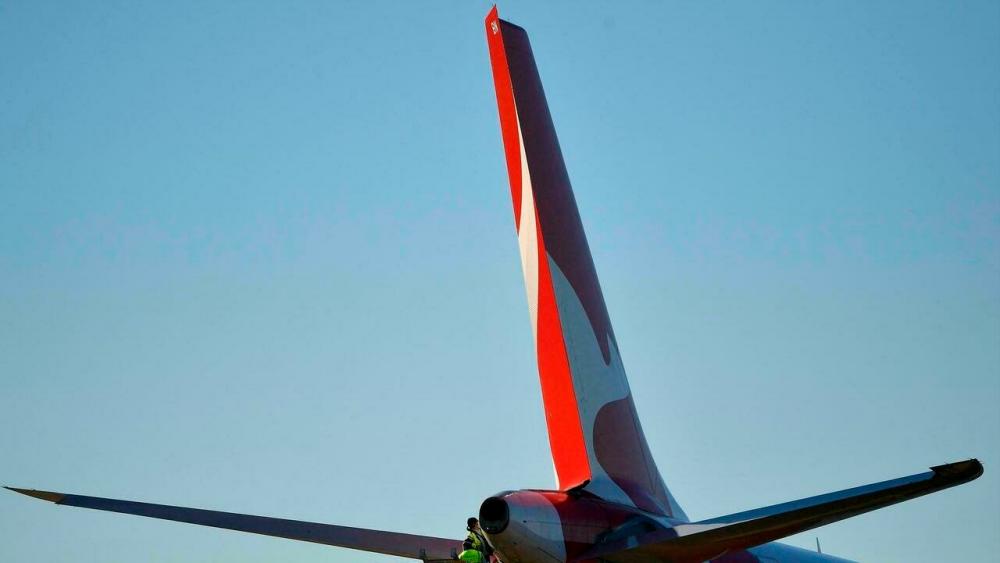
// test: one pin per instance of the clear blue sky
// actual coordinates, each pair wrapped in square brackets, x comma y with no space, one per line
[260,257]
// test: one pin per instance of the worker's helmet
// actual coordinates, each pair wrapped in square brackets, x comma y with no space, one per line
[471,556]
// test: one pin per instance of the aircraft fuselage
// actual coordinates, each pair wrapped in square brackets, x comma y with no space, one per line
[539,526]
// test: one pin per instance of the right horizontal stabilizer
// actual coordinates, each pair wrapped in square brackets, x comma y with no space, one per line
[707,539]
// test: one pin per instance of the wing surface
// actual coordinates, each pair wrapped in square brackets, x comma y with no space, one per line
[389,543]
[707,539]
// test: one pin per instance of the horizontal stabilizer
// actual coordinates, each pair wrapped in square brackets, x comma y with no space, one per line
[389,543]
[707,539]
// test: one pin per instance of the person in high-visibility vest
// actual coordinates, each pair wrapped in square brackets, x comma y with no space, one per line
[476,548]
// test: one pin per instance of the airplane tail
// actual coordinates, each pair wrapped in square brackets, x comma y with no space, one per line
[595,437]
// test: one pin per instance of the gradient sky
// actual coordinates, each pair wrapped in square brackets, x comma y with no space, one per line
[260,257]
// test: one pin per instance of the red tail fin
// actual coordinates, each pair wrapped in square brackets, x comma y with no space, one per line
[594,432]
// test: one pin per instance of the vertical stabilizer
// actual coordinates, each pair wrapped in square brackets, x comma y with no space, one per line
[594,433]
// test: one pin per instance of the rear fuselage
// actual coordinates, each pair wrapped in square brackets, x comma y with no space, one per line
[537,526]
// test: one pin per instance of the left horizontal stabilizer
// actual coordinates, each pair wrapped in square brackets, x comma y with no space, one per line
[707,539]
[389,543]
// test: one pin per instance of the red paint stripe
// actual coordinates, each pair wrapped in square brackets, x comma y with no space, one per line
[508,111]
[562,416]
